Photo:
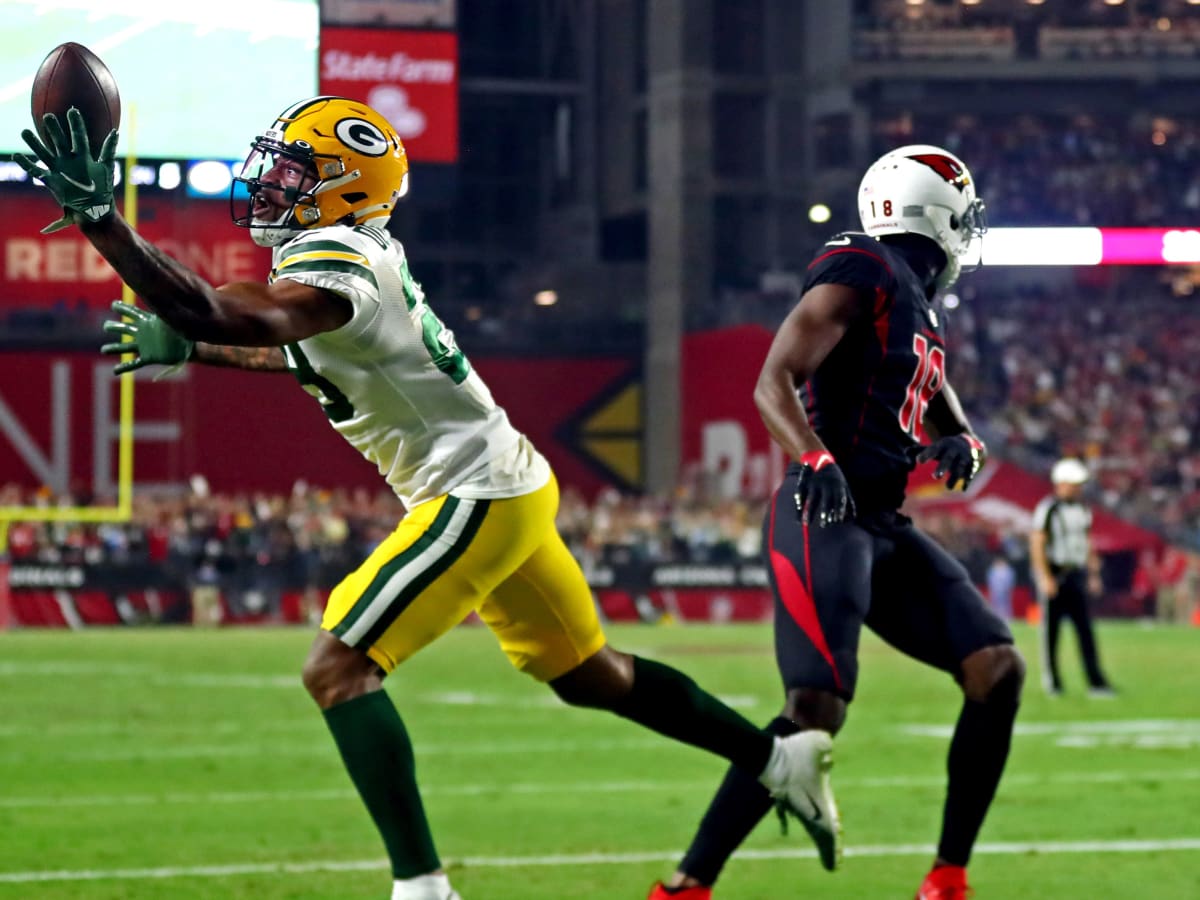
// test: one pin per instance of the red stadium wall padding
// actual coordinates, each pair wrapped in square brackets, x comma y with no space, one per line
[261,431]
[617,605]
[291,605]
[7,618]
[37,608]
[96,608]
[252,431]
[722,432]
[687,604]
[41,609]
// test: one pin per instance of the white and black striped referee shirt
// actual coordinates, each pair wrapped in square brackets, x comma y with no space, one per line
[1067,525]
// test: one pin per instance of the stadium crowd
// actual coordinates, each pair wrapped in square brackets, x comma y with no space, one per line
[255,548]
[312,537]
[1142,170]
[1112,27]
[1110,372]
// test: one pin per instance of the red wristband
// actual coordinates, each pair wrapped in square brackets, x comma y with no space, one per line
[817,459]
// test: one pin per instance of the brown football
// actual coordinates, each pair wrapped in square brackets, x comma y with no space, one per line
[72,75]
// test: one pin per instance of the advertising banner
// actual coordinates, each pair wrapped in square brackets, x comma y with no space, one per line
[1005,495]
[409,77]
[64,271]
[723,435]
[241,430]
[77,596]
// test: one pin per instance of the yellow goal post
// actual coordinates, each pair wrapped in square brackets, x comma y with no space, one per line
[123,510]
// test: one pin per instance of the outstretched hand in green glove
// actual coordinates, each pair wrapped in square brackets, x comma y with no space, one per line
[153,340]
[82,184]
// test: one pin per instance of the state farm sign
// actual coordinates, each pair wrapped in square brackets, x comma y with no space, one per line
[410,77]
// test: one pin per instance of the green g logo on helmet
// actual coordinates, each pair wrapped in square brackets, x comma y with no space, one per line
[362,137]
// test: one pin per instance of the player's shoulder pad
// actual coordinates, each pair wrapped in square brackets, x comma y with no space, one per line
[360,241]
[853,258]
[856,239]
[339,258]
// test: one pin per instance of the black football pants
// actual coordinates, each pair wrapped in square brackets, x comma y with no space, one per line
[1070,602]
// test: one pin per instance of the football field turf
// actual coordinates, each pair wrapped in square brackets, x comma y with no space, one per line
[190,764]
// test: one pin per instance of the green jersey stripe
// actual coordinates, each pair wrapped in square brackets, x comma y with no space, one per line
[422,544]
[330,265]
[380,595]
[378,235]
[316,247]
[414,588]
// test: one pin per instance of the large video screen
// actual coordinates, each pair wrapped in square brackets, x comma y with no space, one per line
[204,77]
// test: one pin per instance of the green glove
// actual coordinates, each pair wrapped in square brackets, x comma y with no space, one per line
[83,186]
[153,340]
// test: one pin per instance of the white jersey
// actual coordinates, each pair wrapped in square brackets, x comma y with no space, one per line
[392,381]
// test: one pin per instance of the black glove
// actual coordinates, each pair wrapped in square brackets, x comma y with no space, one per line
[822,494]
[960,455]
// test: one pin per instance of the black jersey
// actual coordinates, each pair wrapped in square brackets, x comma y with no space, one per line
[867,399]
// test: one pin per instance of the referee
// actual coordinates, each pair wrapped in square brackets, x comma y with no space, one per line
[1065,572]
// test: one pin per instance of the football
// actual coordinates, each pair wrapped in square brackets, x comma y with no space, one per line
[72,75]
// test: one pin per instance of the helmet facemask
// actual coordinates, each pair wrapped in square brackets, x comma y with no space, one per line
[956,233]
[354,170]
[300,210]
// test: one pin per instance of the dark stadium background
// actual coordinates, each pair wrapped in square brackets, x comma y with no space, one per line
[613,203]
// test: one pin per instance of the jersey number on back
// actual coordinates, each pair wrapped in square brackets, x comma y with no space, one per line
[926,381]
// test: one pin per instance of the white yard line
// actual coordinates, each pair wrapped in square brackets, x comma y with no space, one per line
[1072,727]
[534,788]
[1047,848]
[310,748]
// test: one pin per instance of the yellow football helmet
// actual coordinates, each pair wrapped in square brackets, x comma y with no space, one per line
[357,169]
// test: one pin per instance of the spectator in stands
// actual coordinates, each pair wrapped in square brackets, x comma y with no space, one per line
[1178,586]
[1001,580]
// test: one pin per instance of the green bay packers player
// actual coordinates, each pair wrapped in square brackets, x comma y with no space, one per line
[342,312]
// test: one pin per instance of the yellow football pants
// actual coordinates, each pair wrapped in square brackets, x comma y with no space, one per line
[502,558]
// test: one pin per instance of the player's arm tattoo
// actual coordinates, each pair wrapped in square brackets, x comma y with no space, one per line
[243,314]
[177,294]
[257,359]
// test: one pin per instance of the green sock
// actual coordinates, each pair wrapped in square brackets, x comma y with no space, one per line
[669,702]
[378,754]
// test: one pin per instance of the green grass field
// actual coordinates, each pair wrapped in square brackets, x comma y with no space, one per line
[190,764]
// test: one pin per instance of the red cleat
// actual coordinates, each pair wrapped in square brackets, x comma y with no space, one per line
[945,883]
[660,892]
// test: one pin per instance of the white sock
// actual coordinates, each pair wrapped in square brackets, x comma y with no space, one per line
[774,776]
[423,887]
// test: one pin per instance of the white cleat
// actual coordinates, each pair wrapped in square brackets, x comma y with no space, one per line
[807,794]
[424,887]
